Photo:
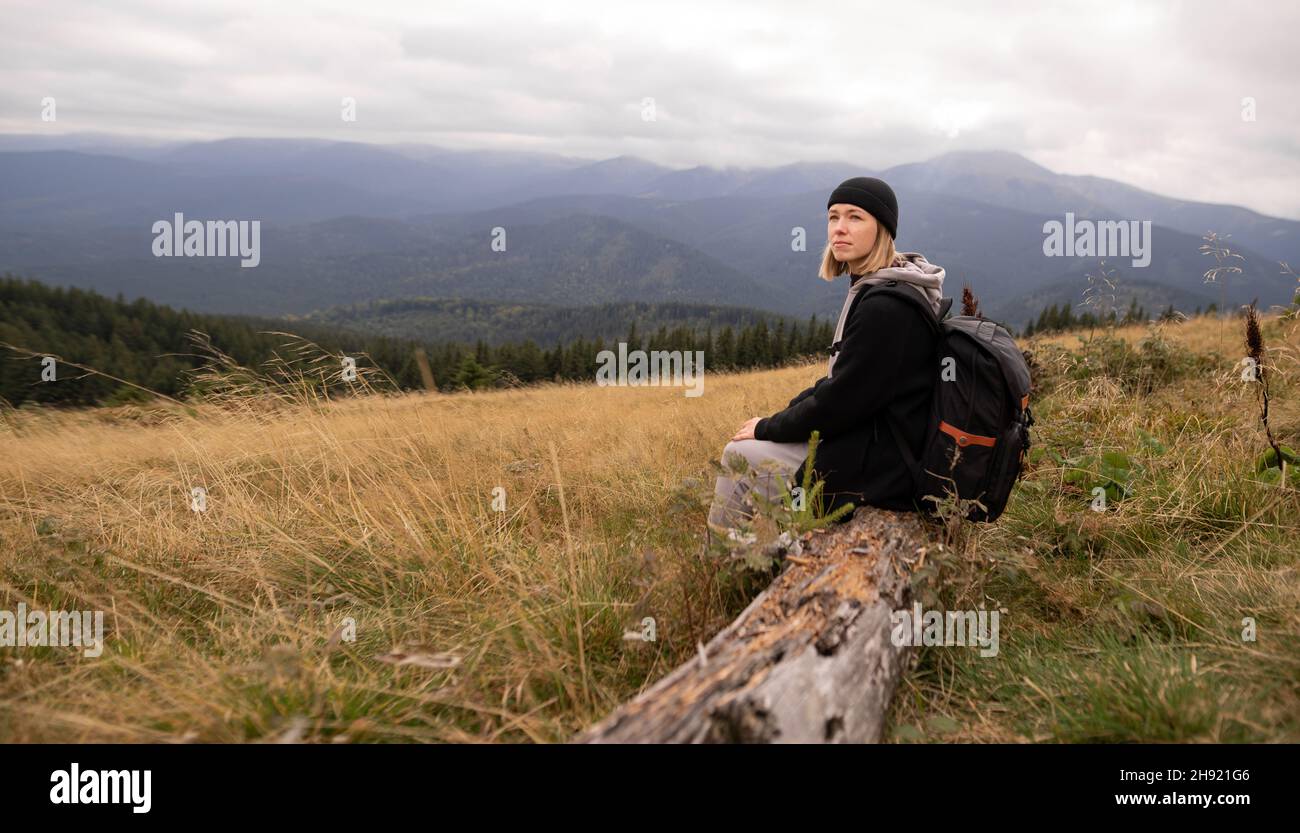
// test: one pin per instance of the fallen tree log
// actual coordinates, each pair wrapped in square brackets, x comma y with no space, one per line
[810,659]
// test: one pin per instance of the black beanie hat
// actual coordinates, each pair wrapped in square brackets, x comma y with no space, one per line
[871,195]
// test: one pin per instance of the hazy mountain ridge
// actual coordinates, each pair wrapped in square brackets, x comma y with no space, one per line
[572,260]
[344,222]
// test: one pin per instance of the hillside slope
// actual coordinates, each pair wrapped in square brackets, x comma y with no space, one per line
[235,623]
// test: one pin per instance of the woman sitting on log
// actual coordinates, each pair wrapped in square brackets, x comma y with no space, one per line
[882,363]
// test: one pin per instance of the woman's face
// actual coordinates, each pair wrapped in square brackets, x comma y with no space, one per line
[851,231]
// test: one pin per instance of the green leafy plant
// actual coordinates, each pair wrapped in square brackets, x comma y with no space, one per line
[1151,443]
[777,524]
[1113,471]
[1154,363]
[811,515]
[1269,466]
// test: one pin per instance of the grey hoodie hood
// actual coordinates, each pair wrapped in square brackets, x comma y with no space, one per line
[916,270]
[911,267]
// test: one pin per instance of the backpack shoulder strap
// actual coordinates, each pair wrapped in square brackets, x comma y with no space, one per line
[908,292]
[914,295]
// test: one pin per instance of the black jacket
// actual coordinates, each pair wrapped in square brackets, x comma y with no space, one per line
[887,360]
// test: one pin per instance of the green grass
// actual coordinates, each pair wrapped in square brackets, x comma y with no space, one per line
[1125,625]
[1119,626]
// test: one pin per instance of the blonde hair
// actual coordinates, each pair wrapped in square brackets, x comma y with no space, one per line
[882,254]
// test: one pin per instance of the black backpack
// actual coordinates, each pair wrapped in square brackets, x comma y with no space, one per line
[979,408]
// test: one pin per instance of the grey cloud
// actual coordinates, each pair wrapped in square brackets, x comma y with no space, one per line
[1149,94]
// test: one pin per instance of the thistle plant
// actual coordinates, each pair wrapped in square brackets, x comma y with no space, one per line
[970,305]
[1255,350]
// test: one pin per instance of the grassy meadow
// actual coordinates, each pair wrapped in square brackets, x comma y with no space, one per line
[350,579]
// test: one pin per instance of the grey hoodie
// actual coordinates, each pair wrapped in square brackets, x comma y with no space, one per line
[914,269]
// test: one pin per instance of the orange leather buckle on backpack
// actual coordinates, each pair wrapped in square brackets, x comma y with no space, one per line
[963,439]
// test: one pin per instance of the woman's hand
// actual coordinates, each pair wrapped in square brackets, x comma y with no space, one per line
[746,431]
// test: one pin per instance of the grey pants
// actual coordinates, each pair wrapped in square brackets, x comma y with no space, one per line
[771,466]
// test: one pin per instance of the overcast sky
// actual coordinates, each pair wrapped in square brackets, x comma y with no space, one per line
[1149,94]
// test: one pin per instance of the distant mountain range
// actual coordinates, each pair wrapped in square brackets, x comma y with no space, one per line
[347,223]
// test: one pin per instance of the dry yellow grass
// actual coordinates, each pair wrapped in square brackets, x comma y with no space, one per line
[224,625]
[1202,334]
[379,509]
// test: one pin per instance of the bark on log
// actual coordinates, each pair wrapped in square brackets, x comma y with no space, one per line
[808,661]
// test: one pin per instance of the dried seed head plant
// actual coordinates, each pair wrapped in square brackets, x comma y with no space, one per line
[1255,350]
[1294,311]
[1100,294]
[970,305]
[1215,246]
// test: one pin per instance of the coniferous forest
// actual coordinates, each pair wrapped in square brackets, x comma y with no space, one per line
[151,346]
